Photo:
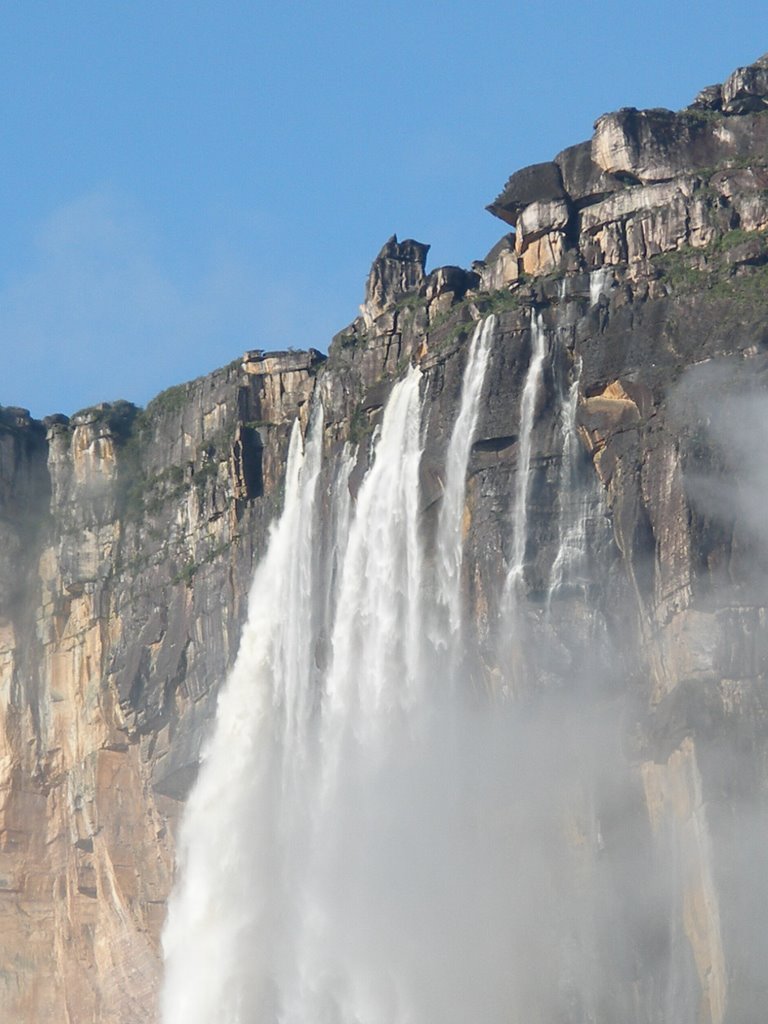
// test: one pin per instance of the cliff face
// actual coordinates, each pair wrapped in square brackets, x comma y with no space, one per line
[128,539]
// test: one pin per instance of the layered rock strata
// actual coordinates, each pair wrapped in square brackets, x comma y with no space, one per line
[649,181]
[128,539]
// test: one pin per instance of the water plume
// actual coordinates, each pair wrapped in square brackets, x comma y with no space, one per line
[371,840]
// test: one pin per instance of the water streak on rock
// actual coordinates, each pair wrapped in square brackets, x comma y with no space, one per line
[449,548]
[569,565]
[531,391]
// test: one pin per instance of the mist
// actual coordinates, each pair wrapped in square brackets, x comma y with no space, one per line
[721,409]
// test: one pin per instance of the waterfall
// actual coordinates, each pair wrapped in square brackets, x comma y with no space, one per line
[342,856]
[378,630]
[322,792]
[369,841]
[220,923]
[573,499]
[531,389]
[449,549]
[598,283]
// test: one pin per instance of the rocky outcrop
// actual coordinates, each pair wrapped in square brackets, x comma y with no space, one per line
[128,539]
[397,271]
[649,181]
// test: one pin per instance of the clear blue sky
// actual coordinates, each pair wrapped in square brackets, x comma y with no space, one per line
[185,180]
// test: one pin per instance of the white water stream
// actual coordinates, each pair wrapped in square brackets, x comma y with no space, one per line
[449,548]
[599,283]
[569,565]
[231,835]
[531,391]
[332,864]
[369,842]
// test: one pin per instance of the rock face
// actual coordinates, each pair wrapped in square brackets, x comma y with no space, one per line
[649,181]
[128,539]
[396,271]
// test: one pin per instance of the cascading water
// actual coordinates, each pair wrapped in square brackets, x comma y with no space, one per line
[570,561]
[449,548]
[599,282]
[376,639]
[531,390]
[218,936]
[368,843]
[332,865]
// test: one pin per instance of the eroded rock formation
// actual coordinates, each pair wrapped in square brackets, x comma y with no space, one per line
[649,181]
[128,539]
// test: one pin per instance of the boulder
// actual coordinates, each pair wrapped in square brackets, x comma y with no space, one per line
[455,280]
[540,183]
[500,267]
[582,178]
[539,218]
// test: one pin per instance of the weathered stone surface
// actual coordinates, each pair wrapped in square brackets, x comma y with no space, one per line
[540,183]
[397,271]
[500,268]
[541,217]
[656,145]
[746,89]
[651,145]
[583,179]
[544,253]
[446,286]
[709,98]
[605,413]
[644,184]
[126,612]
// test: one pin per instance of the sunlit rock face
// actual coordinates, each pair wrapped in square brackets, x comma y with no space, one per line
[648,182]
[629,650]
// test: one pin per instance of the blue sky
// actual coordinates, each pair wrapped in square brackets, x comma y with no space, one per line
[183,181]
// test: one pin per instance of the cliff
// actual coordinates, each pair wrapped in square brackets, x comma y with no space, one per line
[129,537]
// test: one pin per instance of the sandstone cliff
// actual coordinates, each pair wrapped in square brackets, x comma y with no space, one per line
[128,539]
